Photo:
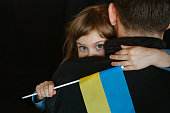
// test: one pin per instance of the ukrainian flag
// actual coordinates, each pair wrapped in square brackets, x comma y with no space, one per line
[106,92]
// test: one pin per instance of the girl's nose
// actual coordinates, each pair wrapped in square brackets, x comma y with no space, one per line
[93,53]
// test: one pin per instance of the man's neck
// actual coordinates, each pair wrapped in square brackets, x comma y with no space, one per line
[137,34]
[122,32]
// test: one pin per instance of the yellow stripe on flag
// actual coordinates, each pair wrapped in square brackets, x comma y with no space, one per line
[93,94]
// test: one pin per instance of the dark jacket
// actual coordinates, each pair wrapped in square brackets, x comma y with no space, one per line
[149,87]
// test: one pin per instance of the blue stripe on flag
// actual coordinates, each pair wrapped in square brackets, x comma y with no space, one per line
[116,90]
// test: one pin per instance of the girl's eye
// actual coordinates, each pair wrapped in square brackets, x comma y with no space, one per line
[83,48]
[99,46]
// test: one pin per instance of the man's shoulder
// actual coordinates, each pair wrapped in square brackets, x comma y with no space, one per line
[149,87]
[76,68]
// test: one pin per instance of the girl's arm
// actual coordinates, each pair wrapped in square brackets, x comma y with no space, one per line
[137,57]
[40,104]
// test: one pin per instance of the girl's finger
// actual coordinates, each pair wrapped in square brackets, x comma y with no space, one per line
[119,57]
[126,47]
[46,90]
[42,93]
[123,51]
[122,63]
[128,68]
[51,90]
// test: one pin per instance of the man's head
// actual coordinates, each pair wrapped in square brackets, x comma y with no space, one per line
[140,16]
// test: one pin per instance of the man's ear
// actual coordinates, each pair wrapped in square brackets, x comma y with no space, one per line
[112,14]
[168,27]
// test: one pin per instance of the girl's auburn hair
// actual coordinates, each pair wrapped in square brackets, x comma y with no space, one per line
[91,18]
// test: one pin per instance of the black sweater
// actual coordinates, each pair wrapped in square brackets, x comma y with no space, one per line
[149,87]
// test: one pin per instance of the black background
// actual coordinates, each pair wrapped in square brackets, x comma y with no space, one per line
[31,40]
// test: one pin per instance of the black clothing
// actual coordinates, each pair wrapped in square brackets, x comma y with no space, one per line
[114,45]
[149,87]
[69,99]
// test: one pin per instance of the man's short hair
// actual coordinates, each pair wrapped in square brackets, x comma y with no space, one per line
[144,15]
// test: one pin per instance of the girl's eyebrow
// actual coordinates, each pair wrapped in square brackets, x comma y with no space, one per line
[93,44]
[80,43]
[98,42]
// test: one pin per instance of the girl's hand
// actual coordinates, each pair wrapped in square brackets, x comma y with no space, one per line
[45,89]
[137,57]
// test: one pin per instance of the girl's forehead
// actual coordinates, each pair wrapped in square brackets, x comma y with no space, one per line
[91,38]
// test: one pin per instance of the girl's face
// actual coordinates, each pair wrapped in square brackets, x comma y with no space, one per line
[91,45]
